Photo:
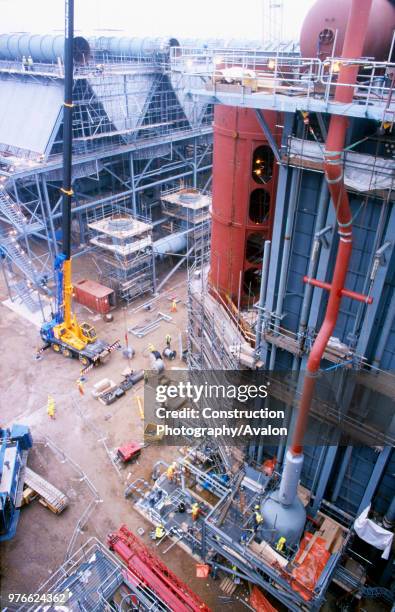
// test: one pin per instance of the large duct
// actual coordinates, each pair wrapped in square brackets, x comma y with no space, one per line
[175,243]
[42,48]
[133,47]
[244,193]
[325,27]
[357,26]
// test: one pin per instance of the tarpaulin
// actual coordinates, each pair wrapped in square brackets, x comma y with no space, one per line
[259,602]
[372,533]
[307,573]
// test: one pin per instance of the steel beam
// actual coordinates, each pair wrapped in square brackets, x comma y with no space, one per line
[375,478]
[324,478]
[266,130]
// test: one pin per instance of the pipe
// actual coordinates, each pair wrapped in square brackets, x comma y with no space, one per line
[353,45]
[262,295]
[359,297]
[314,258]
[174,243]
[42,48]
[133,47]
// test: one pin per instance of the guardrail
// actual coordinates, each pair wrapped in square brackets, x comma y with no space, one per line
[289,75]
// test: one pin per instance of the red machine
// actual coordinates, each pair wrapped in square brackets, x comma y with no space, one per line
[129,451]
[153,573]
[244,191]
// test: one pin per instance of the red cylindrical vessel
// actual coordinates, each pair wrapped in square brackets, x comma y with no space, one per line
[244,190]
[325,26]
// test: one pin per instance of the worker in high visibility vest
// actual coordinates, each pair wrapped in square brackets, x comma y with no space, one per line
[171,472]
[159,532]
[80,386]
[51,407]
[258,518]
[280,544]
[195,511]
[168,340]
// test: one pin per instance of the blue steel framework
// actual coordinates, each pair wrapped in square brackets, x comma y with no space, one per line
[131,136]
[342,480]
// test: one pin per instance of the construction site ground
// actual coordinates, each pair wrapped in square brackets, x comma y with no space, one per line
[81,429]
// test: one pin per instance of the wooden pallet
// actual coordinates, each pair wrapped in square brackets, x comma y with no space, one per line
[228,586]
[49,496]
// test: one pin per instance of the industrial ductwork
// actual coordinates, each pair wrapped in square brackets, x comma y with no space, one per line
[353,46]
[42,48]
[133,47]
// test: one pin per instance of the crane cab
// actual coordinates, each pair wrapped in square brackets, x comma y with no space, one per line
[88,332]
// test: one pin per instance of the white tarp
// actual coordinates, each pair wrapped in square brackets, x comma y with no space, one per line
[362,172]
[372,533]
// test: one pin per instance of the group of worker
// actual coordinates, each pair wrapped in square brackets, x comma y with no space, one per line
[160,531]
[27,63]
[258,521]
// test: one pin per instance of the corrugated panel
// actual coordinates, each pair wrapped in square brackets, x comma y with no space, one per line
[364,231]
[388,359]
[356,479]
[28,113]
[301,248]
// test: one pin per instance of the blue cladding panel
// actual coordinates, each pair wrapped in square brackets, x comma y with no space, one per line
[366,213]
[301,247]
[388,359]
[364,231]
[356,480]
[386,488]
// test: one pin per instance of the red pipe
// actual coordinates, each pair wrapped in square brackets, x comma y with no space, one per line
[333,165]
[359,297]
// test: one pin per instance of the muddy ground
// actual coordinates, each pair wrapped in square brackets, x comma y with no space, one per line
[80,426]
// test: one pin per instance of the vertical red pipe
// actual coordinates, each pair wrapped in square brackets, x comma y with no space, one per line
[333,164]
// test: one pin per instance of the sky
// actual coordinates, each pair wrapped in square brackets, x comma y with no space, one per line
[179,18]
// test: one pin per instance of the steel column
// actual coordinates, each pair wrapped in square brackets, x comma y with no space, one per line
[375,478]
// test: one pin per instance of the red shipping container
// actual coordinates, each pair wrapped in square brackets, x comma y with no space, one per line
[95,296]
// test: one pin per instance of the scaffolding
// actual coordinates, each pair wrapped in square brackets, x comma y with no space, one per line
[95,580]
[224,536]
[133,132]
[123,251]
[188,213]
[259,79]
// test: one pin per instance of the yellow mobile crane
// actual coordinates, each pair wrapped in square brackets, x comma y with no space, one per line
[63,333]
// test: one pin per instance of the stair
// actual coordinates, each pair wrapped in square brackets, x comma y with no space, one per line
[12,211]
[18,256]
[25,295]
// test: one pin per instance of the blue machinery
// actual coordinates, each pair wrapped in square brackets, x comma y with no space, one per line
[15,444]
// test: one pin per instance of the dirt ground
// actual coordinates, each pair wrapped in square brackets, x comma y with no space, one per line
[79,428]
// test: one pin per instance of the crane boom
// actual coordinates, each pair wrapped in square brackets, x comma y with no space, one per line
[63,332]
